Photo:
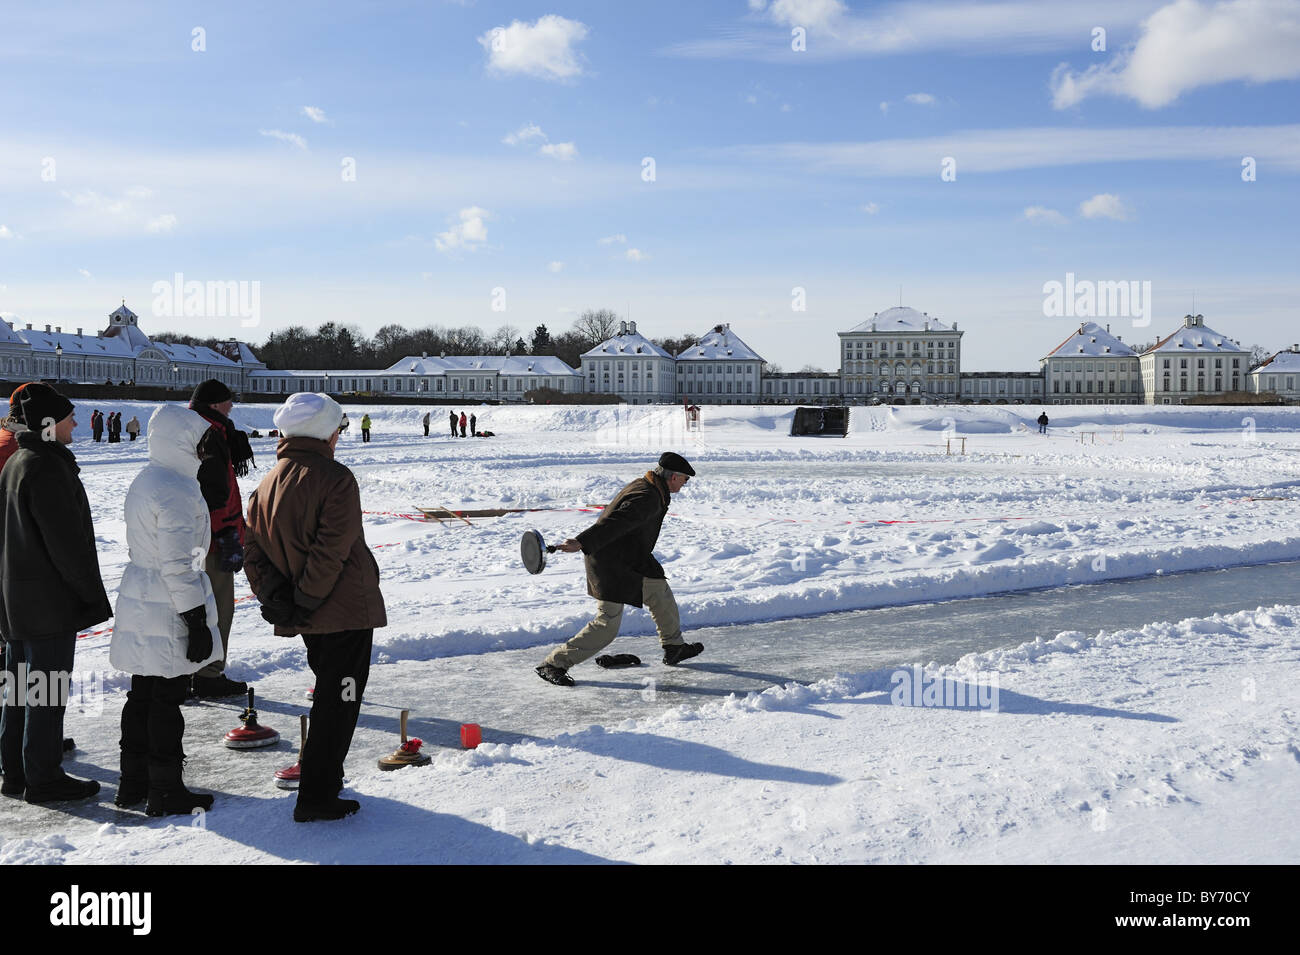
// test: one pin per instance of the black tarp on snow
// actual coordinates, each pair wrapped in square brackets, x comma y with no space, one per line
[833,422]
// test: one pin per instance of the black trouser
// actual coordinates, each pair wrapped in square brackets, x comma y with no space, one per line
[341,662]
[426,429]
[152,727]
[31,736]
[365,435]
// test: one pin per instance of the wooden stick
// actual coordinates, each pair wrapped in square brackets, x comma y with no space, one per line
[404,712]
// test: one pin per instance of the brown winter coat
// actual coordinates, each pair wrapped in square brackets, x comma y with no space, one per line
[619,547]
[305,520]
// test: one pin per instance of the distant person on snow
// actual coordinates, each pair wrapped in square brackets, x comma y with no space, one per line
[165,628]
[343,425]
[463,422]
[621,569]
[426,424]
[133,427]
[453,423]
[96,424]
[1042,423]
[365,428]
[473,426]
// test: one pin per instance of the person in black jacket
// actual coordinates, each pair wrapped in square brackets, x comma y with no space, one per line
[1042,423]
[50,588]
[621,569]
[453,423]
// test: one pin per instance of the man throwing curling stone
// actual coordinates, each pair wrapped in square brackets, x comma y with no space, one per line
[621,569]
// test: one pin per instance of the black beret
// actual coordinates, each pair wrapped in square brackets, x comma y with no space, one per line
[671,461]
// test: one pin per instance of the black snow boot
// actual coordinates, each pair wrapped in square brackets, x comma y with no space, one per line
[134,785]
[553,674]
[326,810]
[167,793]
[682,651]
[218,687]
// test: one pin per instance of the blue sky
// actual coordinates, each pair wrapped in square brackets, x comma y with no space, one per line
[514,160]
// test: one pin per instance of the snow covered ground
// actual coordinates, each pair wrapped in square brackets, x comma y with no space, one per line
[1167,742]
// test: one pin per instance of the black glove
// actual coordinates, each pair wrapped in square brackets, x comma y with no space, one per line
[232,552]
[199,647]
[303,607]
[277,608]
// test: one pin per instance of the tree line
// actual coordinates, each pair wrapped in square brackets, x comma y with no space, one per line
[334,346]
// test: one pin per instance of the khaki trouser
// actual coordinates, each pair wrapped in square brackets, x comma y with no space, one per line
[600,633]
[223,589]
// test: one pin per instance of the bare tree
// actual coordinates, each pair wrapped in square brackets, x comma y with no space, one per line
[503,339]
[1257,354]
[596,324]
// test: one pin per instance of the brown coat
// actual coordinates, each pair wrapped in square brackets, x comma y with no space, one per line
[305,520]
[618,548]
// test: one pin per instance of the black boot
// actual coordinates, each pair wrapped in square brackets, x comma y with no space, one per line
[134,785]
[167,793]
[553,674]
[328,809]
[675,654]
[218,687]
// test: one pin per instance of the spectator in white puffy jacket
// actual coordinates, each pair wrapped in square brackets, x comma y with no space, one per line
[166,616]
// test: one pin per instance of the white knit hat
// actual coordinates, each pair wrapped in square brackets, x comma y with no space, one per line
[308,415]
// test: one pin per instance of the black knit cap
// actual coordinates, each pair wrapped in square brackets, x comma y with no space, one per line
[41,402]
[670,461]
[211,392]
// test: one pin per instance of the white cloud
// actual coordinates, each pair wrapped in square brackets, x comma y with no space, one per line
[85,274]
[1043,214]
[636,255]
[162,223]
[811,14]
[1188,44]
[555,266]
[1104,205]
[426,275]
[785,107]
[1002,27]
[315,114]
[5,232]
[468,234]
[618,238]
[751,99]
[523,134]
[139,192]
[757,5]
[562,151]
[292,138]
[89,199]
[544,49]
[871,208]
[884,107]
[1031,147]
[920,99]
